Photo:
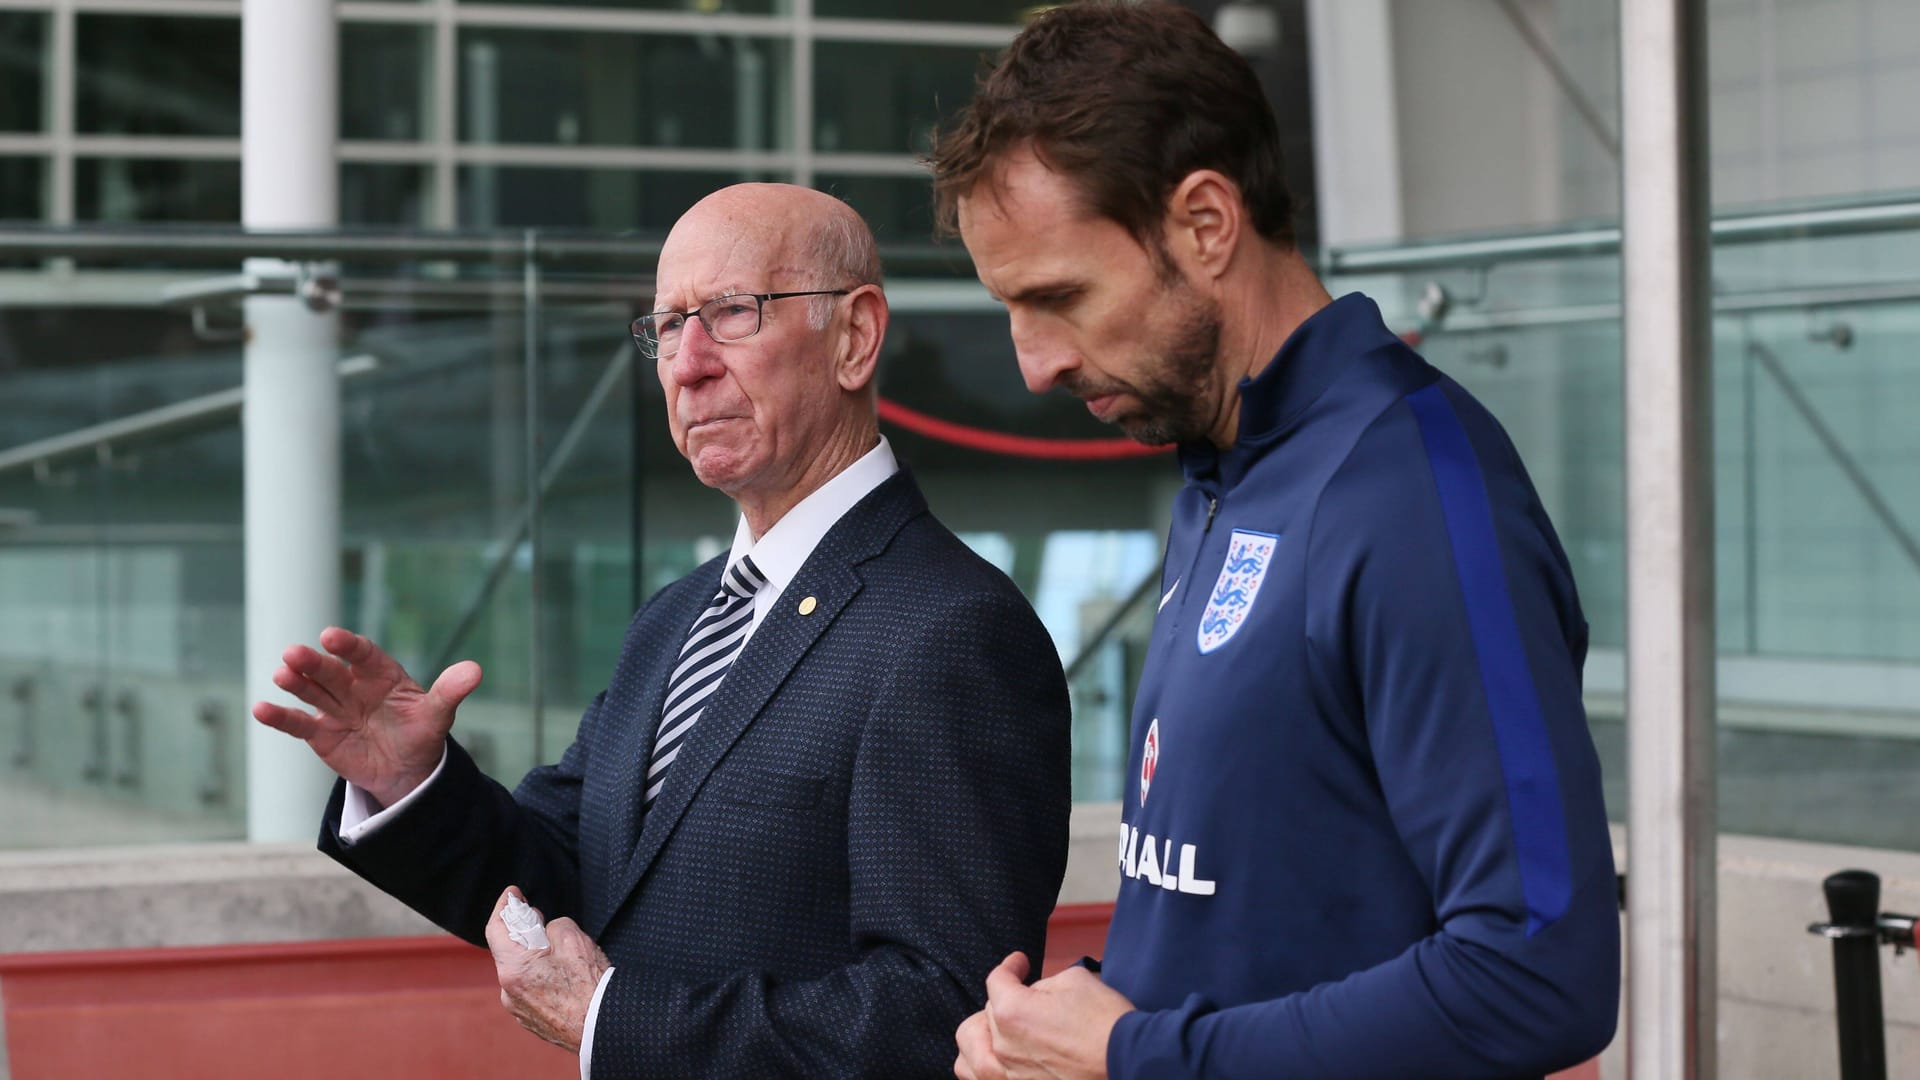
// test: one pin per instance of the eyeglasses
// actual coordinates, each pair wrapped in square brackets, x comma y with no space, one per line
[734,317]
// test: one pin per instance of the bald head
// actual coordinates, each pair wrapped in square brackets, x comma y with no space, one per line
[806,239]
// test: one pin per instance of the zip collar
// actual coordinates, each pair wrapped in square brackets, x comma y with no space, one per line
[1272,401]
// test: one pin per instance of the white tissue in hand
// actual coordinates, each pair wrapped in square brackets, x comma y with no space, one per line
[523,925]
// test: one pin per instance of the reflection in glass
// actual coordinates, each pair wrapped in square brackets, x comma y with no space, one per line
[23,70]
[1819,519]
[1003,12]
[22,189]
[122,189]
[385,81]
[433,462]
[600,89]
[1085,578]
[380,194]
[886,98]
[703,7]
[616,199]
[157,75]
[899,209]
[120,657]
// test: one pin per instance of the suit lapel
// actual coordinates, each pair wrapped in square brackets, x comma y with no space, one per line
[633,741]
[769,658]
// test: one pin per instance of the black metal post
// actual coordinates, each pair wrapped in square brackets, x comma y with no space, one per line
[1853,903]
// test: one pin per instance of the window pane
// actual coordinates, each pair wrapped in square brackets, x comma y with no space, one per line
[704,7]
[600,89]
[22,189]
[23,70]
[119,189]
[1006,12]
[621,199]
[157,75]
[380,194]
[385,76]
[886,98]
[899,209]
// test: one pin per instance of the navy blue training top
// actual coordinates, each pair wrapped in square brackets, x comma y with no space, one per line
[1362,833]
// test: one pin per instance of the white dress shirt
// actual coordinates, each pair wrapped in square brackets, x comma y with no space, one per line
[779,554]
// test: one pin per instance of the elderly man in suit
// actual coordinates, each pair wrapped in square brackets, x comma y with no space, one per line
[827,787]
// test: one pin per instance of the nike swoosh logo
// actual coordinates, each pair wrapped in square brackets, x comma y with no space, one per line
[1169,596]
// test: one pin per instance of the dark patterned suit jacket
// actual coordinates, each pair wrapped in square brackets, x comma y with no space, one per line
[870,813]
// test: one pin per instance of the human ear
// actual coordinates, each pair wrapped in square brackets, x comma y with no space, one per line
[1205,216]
[859,354]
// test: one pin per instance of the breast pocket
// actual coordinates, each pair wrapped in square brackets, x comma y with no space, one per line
[752,785]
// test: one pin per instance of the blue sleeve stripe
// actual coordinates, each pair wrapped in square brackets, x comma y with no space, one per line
[1519,728]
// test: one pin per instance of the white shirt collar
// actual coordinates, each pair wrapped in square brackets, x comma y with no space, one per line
[784,548]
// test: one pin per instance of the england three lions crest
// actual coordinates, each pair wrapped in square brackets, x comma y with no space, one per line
[1248,556]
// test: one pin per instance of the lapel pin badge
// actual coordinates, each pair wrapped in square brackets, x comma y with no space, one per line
[807,605]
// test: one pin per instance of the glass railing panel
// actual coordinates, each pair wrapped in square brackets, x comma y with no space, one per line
[120,658]
[1818,570]
[1823,446]
[126,566]
[123,707]
[433,480]
[589,421]
[438,489]
[1819,681]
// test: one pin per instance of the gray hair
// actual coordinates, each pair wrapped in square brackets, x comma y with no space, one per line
[842,253]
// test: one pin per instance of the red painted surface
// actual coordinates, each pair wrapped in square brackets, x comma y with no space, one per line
[405,1007]
[1076,930]
[365,1009]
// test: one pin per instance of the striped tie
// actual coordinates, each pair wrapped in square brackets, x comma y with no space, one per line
[711,646]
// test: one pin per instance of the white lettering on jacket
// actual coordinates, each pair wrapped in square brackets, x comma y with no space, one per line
[1144,858]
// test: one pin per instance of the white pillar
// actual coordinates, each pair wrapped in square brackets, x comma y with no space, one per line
[1357,154]
[1667,262]
[288,122]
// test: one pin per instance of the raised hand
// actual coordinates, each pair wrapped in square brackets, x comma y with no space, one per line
[373,724]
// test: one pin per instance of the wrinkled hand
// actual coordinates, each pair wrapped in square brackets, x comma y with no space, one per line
[547,990]
[1056,1029]
[373,724]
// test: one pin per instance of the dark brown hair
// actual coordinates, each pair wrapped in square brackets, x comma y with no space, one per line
[1124,100]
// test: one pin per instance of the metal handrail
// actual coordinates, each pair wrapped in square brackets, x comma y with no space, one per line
[526,518]
[1747,227]
[167,421]
[1848,465]
[1467,321]
[234,245]
[202,244]
[1114,621]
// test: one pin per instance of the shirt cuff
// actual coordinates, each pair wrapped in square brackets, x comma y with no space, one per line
[586,1033]
[358,819]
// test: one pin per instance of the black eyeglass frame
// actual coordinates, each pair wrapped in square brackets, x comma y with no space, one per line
[649,347]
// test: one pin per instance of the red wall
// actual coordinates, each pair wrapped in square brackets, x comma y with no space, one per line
[364,1009]
[333,1010]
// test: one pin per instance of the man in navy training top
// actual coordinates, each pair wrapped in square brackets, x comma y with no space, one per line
[1362,833]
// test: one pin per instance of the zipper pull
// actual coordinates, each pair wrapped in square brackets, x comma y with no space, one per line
[1213,504]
